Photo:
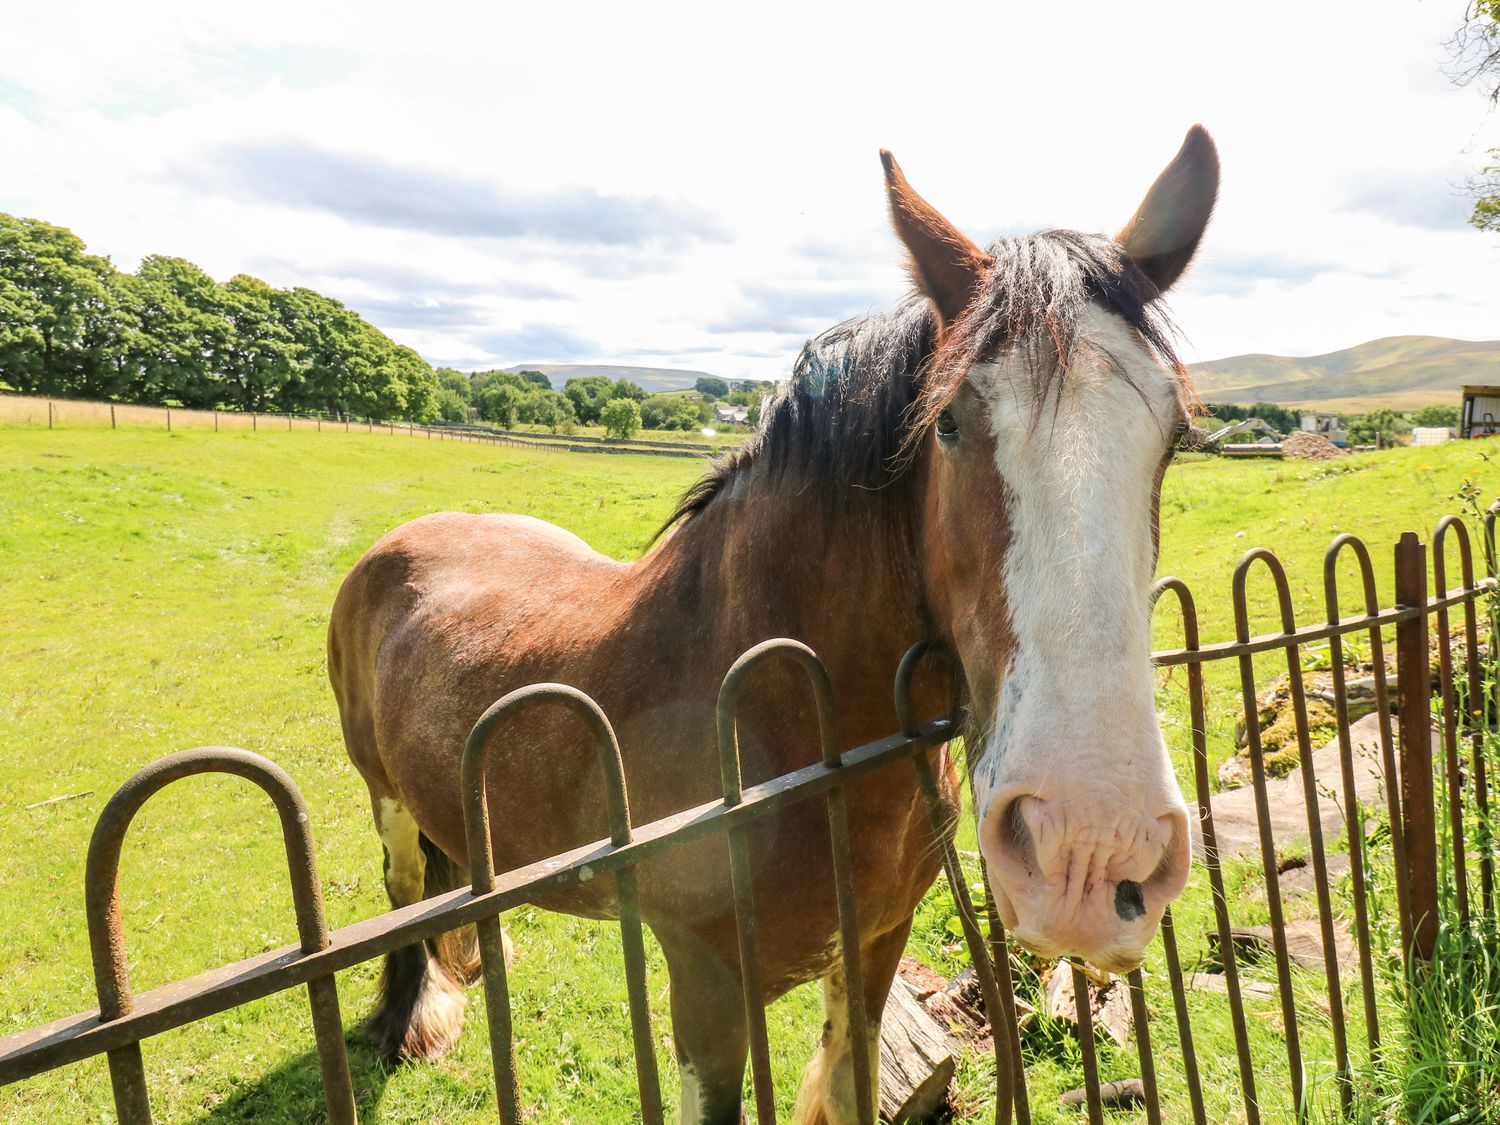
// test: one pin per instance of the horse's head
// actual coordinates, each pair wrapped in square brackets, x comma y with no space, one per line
[1050,410]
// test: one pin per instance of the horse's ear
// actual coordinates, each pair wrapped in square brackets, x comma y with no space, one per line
[944,264]
[1164,233]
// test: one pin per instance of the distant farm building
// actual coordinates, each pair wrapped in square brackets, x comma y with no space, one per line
[1480,415]
[1329,425]
[735,414]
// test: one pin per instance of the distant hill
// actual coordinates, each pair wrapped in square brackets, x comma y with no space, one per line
[649,378]
[1402,372]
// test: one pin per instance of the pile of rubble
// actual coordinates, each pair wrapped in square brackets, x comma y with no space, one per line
[1303,446]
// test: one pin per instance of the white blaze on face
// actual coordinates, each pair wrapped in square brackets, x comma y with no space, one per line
[1074,767]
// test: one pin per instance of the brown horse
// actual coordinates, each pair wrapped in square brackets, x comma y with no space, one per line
[979,466]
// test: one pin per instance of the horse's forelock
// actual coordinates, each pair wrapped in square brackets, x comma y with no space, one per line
[1032,302]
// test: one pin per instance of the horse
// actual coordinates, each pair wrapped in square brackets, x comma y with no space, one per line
[979,466]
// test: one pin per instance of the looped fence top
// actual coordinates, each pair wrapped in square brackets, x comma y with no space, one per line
[101,878]
[476,807]
[1278,578]
[734,683]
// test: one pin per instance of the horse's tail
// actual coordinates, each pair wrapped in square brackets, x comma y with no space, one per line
[457,951]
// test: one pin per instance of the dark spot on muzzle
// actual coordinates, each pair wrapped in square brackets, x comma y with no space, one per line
[1129,904]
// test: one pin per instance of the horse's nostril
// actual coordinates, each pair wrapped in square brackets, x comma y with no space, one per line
[1129,902]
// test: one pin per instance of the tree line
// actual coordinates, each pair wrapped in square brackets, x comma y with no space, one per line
[510,398]
[71,324]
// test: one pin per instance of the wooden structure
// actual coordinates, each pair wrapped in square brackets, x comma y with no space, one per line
[1480,414]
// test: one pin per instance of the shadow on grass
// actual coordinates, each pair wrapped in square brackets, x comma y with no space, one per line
[293,1092]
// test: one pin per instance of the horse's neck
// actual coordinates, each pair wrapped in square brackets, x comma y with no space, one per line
[747,569]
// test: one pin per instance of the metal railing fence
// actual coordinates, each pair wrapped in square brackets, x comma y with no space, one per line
[1466,710]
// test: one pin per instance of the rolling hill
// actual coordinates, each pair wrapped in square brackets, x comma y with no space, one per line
[1402,372]
[650,378]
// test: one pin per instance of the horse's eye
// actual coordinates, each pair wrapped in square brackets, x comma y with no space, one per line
[946,426]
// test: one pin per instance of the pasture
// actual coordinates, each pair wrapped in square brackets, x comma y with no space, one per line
[170,590]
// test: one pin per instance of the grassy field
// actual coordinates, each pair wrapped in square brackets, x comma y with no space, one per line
[169,590]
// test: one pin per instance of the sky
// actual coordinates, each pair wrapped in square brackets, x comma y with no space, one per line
[697,186]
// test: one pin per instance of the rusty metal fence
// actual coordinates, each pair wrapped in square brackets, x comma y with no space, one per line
[1465,711]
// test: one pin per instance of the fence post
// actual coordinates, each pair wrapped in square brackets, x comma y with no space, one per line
[169,419]
[1414,736]
[253,426]
[289,422]
[112,416]
[49,413]
[216,419]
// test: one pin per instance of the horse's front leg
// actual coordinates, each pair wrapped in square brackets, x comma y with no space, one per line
[827,1096]
[708,1028]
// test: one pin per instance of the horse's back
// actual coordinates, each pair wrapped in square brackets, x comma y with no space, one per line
[440,617]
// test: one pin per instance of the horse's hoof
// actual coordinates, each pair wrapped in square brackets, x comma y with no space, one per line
[429,1031]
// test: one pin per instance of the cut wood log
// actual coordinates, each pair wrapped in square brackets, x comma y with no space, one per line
[1109,1004]
[916,1060]
[1112,1095]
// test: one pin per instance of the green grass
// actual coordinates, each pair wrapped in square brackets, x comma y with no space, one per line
[163,591]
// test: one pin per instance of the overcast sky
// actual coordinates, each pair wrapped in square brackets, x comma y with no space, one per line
[673,186]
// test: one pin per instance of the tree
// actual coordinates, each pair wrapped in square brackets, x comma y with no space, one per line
[259,359]
[536,378]
[71,324]
[49,289]
[452,407]
[624,388]
[547,408]
[1444,415]
[708,386]
[498,402]
[1475,57]
[621,417]
[588,394]
[1376,428]
[455,381]
[187,336]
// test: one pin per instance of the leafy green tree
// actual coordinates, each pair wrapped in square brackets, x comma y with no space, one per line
[50,287]
[670,412]
[588,394]
[259,360]
[1375,428]
[621,417]
[1436,415]
[624,388]
[452,407]
[188,337]
[71,324]
[536,378]
[1476,59]
[457,382]
[709,386]
[499,402]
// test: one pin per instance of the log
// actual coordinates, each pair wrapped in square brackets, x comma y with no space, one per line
[1123,1094]
[916,1060]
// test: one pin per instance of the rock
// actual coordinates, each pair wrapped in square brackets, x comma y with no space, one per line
[1304,944]
[1121,1094]
[1218,982]
[1234,812]
[1299,880]
[1234,772]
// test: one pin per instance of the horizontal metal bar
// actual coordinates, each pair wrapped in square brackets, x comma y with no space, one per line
[1224,650]
[172,1005]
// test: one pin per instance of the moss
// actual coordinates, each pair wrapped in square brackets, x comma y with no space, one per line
[1279,740]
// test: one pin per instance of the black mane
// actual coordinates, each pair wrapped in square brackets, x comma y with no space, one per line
[859,391]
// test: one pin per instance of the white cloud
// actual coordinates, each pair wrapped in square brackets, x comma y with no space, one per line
[730,160]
